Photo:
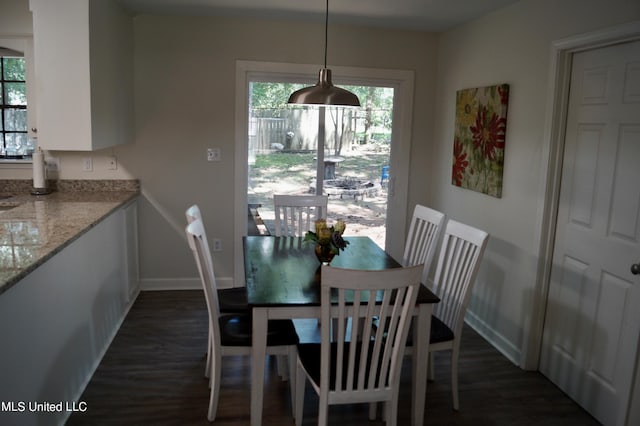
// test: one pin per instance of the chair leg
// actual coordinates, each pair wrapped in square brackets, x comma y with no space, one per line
[283,369]
[216,370]
[299,397]
[391,412]
[323,411]
[292,358]
[207,367]
[431,372]
[373,410]
[455,352]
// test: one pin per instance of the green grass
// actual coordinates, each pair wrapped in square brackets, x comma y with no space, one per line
[293,173]
[300,167]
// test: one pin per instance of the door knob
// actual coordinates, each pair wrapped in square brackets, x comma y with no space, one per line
[635,268]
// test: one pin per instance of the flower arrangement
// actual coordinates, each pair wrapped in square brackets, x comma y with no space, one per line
[328,239]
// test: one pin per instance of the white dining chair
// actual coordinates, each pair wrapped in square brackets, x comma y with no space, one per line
[230,300]
[296,214]
[359,365]
[231,334]
[460,255]
[422,238]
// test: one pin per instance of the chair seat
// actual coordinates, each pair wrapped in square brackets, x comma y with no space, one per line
[233,300]
[235,330]
[309,356]
[439,332]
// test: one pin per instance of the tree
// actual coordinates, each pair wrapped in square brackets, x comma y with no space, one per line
[269,100]
[342,119]
[13,76]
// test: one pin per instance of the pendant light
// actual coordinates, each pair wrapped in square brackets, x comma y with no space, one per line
[324,92]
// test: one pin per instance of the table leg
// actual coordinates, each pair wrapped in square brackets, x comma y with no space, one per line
[420,362]
[258,354]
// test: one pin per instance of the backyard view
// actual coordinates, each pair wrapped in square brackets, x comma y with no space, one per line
[294,173]
[284,145]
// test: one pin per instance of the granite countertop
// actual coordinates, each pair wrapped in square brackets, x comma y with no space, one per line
[34,228]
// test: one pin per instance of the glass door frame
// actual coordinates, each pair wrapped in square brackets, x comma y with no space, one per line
[403,83]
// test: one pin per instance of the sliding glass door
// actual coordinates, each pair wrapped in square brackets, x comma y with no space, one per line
[362,160]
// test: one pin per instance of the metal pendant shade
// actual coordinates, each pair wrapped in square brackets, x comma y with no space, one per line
[324,92]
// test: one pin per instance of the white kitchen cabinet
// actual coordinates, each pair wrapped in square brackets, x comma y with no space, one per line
[84,74]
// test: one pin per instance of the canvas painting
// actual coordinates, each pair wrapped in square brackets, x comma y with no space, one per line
[479,139]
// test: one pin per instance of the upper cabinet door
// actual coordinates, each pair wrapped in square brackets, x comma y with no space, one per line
[84,74]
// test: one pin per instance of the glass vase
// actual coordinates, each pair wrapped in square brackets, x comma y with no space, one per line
[324,253]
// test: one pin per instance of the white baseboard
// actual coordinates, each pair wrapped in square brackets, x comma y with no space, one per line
[159,284]
[497,340]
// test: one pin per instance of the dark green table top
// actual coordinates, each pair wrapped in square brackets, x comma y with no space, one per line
[284,271]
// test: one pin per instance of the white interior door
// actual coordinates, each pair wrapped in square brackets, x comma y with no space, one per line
[592,327]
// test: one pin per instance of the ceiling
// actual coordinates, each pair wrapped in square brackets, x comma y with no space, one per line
[424,15]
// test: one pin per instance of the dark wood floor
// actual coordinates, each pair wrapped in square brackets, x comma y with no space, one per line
[153,375]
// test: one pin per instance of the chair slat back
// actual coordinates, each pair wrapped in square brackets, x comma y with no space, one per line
[368,359]
[423,236]
[460,255]
[199,246]
[296,214]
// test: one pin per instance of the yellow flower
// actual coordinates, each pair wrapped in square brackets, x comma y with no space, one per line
[328,237]
[466,107]
[324,235]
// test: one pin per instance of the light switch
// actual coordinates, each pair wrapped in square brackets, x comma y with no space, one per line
[213,154]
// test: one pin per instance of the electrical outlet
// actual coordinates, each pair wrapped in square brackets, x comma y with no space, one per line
[217,244]
[214,154]
[87,164]
[112,163]
[53,164]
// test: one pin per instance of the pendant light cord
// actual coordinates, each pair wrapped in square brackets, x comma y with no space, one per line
[326,32]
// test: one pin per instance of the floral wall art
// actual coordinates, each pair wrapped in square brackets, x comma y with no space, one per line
[479,139]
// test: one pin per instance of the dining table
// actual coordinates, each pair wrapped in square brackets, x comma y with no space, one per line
[282,276]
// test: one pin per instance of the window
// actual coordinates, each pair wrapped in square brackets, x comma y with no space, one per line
[14,140]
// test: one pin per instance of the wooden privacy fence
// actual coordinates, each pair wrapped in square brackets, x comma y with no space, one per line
[296,131]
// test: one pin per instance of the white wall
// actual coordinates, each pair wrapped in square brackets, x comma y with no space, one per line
[510,46]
